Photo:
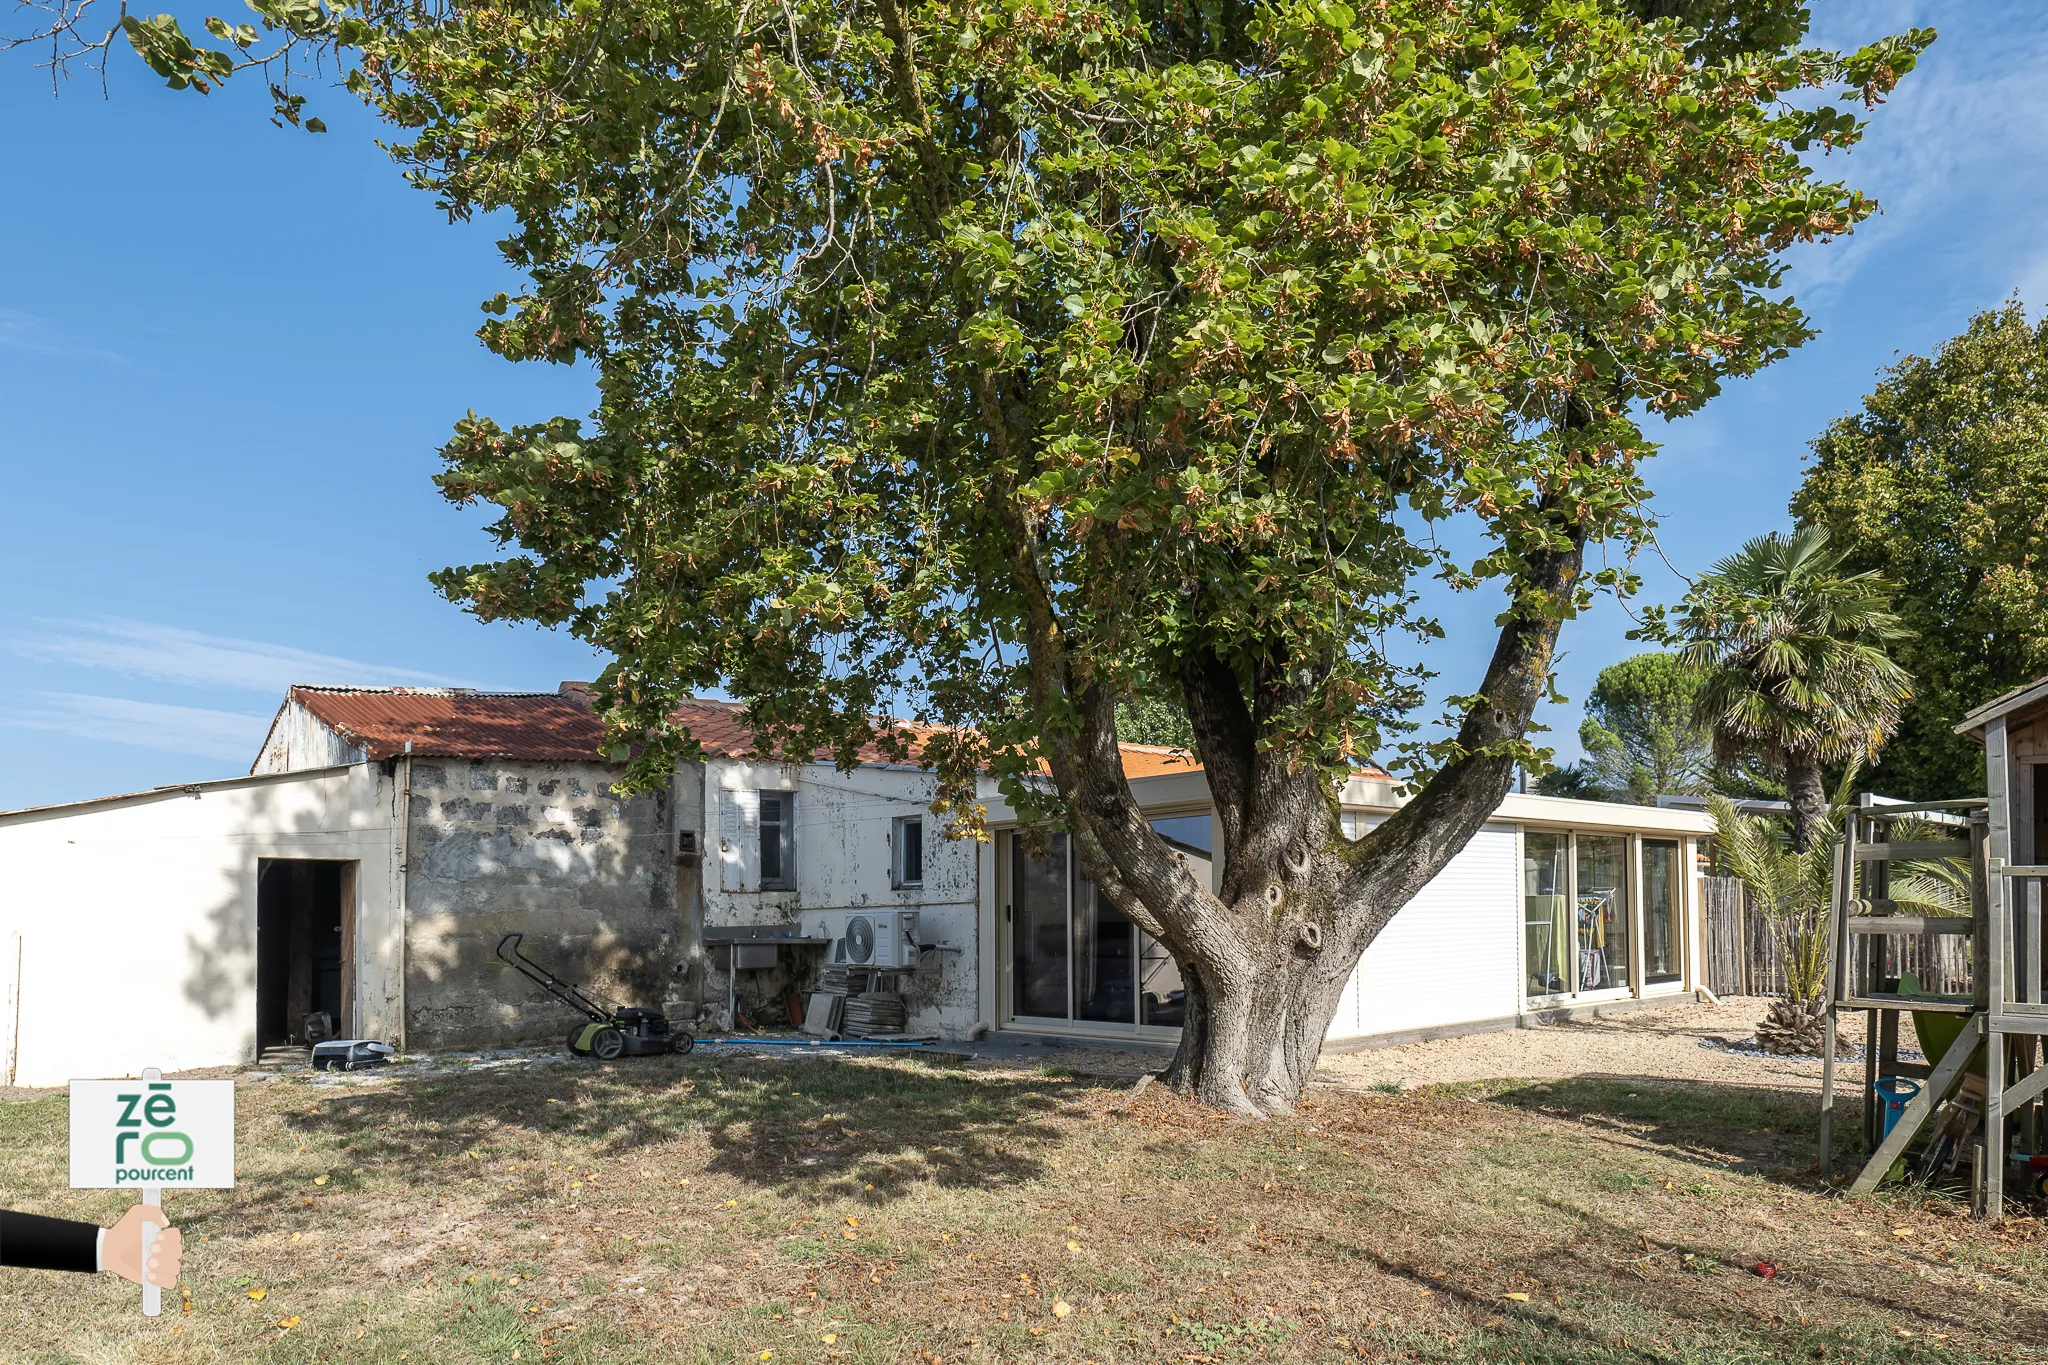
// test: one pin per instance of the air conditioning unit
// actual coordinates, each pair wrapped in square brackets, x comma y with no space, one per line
[884,939]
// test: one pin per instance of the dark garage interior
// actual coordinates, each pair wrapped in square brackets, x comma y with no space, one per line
[304,929]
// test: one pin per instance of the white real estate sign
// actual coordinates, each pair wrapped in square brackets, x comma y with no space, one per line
[129,1134]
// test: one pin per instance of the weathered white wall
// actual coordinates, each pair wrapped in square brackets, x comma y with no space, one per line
[1452,955]
[137,917]
[843,861]
[298,741]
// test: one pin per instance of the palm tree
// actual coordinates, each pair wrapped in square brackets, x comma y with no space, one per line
[1796,671]
[1791,890]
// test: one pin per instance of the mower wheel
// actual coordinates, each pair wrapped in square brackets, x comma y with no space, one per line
[607,1044]
[576,1039]
[682,1042]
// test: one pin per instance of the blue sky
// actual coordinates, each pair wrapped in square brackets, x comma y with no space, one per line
[228,353]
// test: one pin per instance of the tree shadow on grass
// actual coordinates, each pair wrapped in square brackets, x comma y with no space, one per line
[811,1127]
[1620,1260]
[1754,1129]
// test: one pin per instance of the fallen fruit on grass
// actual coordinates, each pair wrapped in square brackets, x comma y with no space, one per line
[829,1338]
[1061,1308]
[319,1180]
[1764,1270]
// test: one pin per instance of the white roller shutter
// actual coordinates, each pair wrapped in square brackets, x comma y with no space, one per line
[1451,955]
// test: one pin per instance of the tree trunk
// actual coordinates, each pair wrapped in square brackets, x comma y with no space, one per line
[1265,959]
[1809,799]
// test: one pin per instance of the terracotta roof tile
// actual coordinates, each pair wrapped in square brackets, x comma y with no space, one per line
[1153,760]
[559,726]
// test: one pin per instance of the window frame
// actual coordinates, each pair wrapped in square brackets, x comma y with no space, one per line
[785,840]
[899,847]
[1010,980]
[1685,910]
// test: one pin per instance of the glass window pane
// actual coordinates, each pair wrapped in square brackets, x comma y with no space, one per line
[1189,832]
[1663,936]
[1038,930]
[1105,958]
[1547,925]
[771,838]
[1162,996]
[1603,912]
[913,852]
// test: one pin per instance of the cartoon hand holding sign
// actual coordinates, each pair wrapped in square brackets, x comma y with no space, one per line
[143,1135]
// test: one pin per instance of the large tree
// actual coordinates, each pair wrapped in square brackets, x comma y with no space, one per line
[988,363]
[1941,483]
[1641,737]
[1795,653]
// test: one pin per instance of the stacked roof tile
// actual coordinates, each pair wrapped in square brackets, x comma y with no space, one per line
[559,726]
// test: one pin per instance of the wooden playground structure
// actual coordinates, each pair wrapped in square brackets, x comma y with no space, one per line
[1977,1111]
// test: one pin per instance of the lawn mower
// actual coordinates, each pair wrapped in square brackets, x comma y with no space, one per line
[611,1033]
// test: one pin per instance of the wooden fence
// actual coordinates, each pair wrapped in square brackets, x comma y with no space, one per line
[1742,953]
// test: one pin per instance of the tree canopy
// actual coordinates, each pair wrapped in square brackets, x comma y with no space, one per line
[1577,780]
[988,363]
[1152,720]
[1941,483]
[1640,735]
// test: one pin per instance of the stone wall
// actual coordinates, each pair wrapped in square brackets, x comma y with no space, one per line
[549,850]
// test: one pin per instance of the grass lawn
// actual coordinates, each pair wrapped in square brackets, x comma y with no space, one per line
[883,1210]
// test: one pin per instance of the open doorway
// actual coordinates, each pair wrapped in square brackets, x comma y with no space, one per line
[305,947]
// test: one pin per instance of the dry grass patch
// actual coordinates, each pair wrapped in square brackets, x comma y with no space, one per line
[894,1210]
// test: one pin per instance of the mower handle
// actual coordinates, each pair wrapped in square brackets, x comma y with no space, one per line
[565,991]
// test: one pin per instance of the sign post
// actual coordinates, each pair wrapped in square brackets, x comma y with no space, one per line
[148,1134]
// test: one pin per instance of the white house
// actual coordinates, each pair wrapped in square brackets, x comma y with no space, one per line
[1555,905]
[388,839]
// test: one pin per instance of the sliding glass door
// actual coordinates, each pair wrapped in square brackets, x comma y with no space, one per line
[1663,918]
[1038,931]
[1584,936]
[1601,899]
[1548,948]
[1071,958]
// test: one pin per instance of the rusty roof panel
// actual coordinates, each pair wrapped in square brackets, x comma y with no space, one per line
[455,723]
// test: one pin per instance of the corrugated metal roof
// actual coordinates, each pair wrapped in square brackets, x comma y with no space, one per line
[443,722]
